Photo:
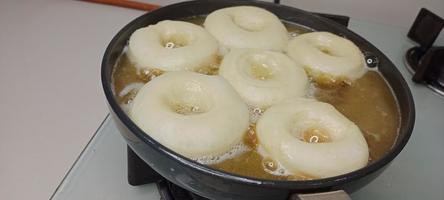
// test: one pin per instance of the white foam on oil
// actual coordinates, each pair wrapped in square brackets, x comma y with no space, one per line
[126,107]
[235,151]
[133,87]
[255,114]
[279,169]
[130,87]
[293,34]
[376,136]
[311,90]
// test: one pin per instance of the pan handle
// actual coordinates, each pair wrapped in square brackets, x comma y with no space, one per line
[333,195]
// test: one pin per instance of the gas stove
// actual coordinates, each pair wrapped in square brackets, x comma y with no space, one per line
[100,172]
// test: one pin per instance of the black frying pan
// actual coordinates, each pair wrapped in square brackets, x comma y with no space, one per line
[215,184]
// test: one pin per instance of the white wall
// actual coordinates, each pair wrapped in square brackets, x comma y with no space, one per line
[392,12]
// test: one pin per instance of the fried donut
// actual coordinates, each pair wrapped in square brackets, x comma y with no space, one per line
[193,114]
[246,27]
[313,138]
[172,46]
[328,58]
[262,77]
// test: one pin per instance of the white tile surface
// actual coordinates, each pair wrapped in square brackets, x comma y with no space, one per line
[51,99]
[100,172]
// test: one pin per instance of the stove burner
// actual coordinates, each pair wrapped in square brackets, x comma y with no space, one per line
[426,62]
[170,191]
[412,57]
[140,173]
[427,67]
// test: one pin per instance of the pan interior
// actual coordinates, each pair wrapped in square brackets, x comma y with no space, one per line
[369,102]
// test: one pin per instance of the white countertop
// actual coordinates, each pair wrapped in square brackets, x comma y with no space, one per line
[52,101]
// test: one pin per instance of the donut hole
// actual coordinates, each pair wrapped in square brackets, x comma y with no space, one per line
[248,23]
[315,135]
[260,72]
[260,68]
[189,99]
[324,44]
[175,40]
[327,50]
[310,130]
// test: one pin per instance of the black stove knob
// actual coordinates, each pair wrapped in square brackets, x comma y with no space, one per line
[426,29]
[427,61]
[431,68]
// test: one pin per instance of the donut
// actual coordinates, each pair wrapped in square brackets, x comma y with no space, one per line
[172,46]
[327,58]
[246,27]
[193,114]
[310,137]
[263,77]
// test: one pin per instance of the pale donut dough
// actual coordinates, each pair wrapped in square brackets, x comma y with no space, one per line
[193,114]
[324,54]
[263,77]
[194,46]
[281,127]
[246,27]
